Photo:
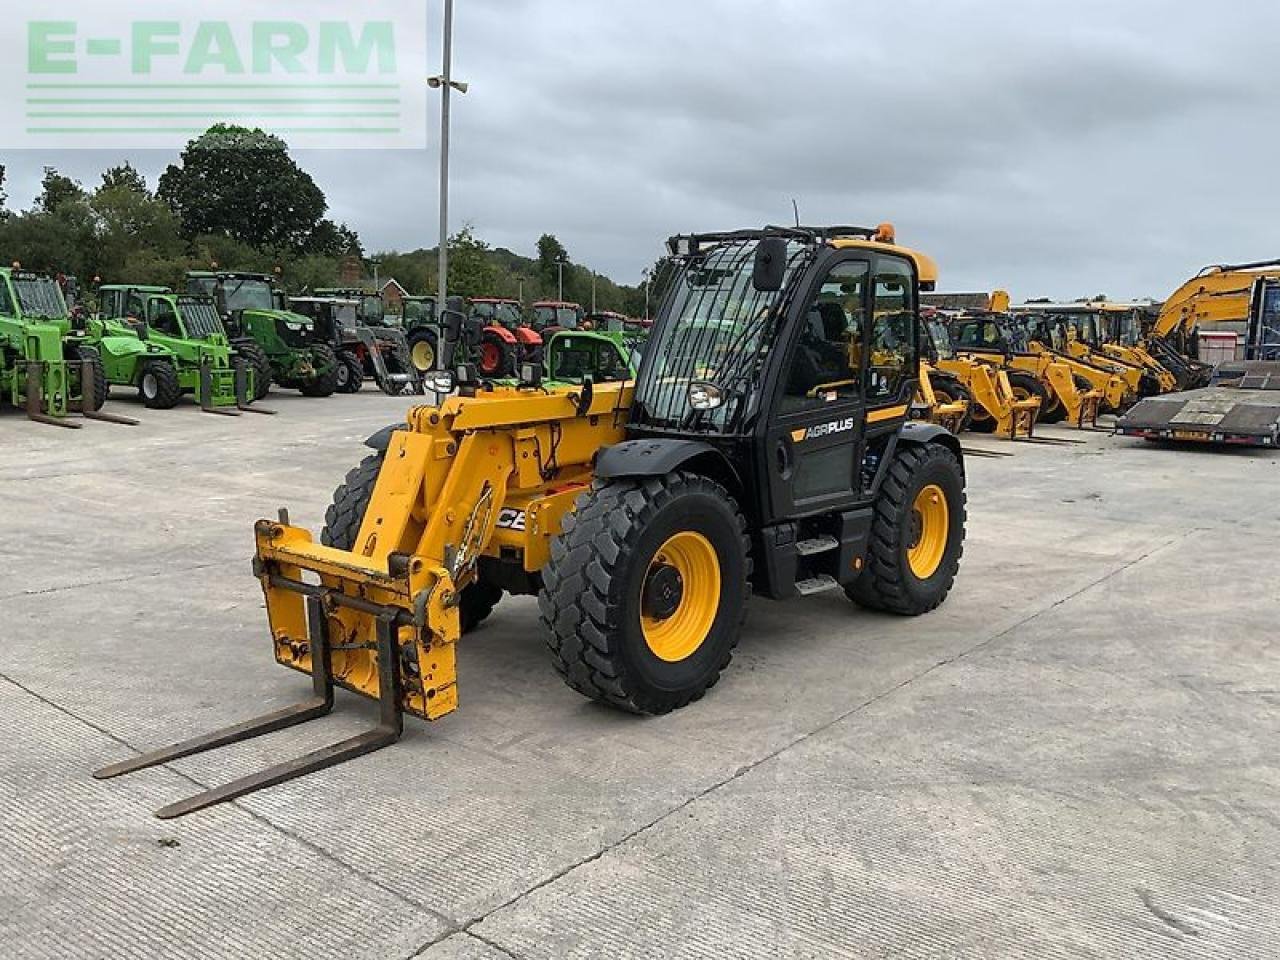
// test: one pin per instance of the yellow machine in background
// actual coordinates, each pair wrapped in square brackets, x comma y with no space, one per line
[1229,298]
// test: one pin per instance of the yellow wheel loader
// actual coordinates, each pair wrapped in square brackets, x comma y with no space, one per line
[764,446]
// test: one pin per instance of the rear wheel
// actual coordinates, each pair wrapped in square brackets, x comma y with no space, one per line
[917,536]
[494,357]
[159,385]
[644,596]
[350,373]
[101,386]
[342,526]
[423,350]
[253,354]
[324,380]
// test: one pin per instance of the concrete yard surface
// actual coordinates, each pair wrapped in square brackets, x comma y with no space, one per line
[1074,757]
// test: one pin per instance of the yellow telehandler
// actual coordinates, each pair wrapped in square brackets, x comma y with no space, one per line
[1066,395]
[764,445]
[1006,405]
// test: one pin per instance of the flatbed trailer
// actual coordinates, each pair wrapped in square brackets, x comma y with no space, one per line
[1241,411]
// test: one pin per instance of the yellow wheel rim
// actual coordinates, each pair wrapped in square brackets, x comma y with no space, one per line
[680,596]
[424,355]
[930,529]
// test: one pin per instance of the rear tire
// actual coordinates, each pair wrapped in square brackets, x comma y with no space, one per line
[342,526]
[495,357]
[325,381]
[893,580]
[159,385]
[645,593]
[350,373]
[101,386]
[253,354]
[424,351]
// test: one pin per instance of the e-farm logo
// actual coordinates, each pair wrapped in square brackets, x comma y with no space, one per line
[319,74]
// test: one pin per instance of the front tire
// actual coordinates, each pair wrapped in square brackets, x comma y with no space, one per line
[342,526]
[350,373]
[645,593]
[423,350]
[917,536]
[101,386]
[159,385]
[949,389]
[325,380]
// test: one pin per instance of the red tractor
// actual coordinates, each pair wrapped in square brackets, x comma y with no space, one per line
[507,340]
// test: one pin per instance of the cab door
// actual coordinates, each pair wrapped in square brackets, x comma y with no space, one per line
[893,347]
[812,444]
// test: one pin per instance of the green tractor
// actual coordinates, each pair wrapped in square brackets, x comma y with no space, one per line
[181,348]
[282,347]
[422,328]
[47,367]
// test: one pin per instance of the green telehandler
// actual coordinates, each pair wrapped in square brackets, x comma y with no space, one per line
[188,350]
[47,367]
[282,347]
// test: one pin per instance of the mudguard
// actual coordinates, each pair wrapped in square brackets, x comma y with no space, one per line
[922,432]
[381,440]
[120,347]
[501,333]
[652,458]
[527,337]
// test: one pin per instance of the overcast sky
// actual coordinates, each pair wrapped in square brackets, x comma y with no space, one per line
[1053,148]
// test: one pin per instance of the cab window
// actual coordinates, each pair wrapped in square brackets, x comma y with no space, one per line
[892,348]
[6,301]
[162,316]
[826,363]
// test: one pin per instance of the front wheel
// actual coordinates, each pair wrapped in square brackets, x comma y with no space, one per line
[324,377]
[917,536]
[159,385]
[101,387]
[350,373]
[644,595]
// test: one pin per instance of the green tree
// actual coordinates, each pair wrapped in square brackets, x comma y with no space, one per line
[550,253]
[242,184]
[129,223]
[4,195]
[471,272]
[124,177]
[57,190]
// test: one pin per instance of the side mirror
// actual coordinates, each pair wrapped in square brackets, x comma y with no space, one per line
[770,266]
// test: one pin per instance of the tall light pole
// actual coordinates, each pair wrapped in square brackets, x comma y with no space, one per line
[560,262]
[446,85]
[376,265]
[647,277]
[520,280]
[593,291]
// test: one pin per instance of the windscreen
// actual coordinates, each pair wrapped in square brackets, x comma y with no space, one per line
[1266,339]
[39,296]
[200,317]
[248,294]
[714,328]
[419,311]
[941,338]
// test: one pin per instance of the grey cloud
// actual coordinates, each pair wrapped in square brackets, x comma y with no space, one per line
[1057,148]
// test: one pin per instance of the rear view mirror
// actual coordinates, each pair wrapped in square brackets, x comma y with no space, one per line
[771,265]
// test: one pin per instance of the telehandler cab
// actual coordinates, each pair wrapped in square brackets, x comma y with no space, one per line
[763,446]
